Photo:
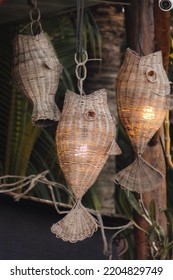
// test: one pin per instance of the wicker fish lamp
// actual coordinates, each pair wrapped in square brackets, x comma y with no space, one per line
[142,89]
[85,138]
[36,71]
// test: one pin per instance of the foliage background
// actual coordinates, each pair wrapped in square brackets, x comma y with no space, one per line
[26,150]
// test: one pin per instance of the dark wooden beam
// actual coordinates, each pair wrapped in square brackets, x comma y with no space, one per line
[148,30]
[2,1]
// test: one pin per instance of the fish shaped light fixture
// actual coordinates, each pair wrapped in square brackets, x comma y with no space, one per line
[142,89]
[85,138]
[36,71]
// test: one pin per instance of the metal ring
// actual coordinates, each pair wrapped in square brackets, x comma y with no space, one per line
[35,11]
[85,54]
[32,25]
[78,68]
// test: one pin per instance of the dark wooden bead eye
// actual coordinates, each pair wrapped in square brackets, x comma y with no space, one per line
[90,115]
[151,75]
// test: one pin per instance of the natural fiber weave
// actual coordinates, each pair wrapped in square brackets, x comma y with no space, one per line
[85,137]
[141,92]
[76,226]
[36,72]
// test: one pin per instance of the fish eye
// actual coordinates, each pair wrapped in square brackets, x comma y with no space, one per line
[151,73]
[90,115]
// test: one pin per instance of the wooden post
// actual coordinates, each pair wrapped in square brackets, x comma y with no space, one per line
[148,30]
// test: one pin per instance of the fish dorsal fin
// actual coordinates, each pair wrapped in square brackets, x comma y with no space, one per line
[48,64]
[114,149]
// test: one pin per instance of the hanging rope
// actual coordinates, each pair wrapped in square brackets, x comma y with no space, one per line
[35,17]
[80,13]
[32,3]
[81,70]
[81,56]
[140,27]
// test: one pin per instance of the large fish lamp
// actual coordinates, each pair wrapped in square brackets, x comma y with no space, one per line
[142,90]
[85,138]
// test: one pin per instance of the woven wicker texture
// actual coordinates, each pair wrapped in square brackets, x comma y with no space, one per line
[75,226]
[36,72]
[141,92]
[85,137]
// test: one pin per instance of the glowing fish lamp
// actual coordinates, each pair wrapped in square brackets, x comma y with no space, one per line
[142,89]
[85,137]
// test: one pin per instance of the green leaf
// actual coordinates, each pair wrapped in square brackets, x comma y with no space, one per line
[134,202]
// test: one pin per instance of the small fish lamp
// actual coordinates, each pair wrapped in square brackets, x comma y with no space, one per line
[36,71]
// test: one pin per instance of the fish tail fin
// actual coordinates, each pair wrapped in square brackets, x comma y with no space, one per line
[45,113]
[139,176]
[77,225]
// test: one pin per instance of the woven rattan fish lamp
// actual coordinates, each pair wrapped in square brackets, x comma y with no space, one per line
[36,71]
[85,137]
[142,89]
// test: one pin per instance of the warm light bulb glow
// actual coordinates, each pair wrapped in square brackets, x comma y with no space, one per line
[81,151]
[148,113]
